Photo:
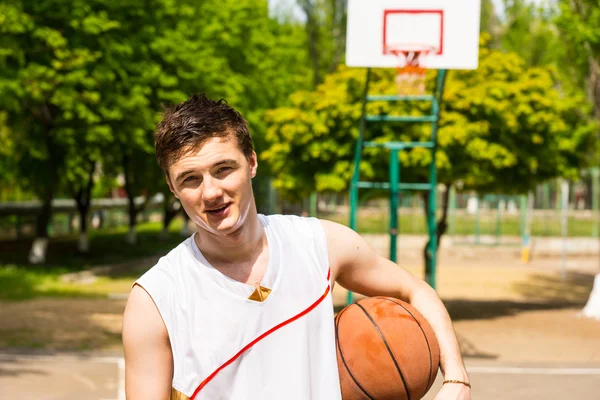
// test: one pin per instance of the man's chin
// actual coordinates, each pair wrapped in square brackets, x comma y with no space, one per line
[225,228]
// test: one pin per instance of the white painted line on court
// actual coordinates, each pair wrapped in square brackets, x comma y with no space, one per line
[534,371]
[121,388]
[31,357]
[87,382]
[119,361]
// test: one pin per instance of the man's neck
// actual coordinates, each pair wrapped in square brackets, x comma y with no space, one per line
[238,247]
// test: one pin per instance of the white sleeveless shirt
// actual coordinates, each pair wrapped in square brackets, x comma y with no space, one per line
[227,346]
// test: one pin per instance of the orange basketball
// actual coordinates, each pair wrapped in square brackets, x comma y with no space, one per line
[385,350]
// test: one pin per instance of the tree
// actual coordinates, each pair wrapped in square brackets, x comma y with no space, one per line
[490,23]
[579,22]
[48,90]
[325,22]
[530,31]
[80,172]
[504,128]
[7,160]
[81,83]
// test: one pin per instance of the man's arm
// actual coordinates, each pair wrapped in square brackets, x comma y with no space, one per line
[356,266]
[148,356]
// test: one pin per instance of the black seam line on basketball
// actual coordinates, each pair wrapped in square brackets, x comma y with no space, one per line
[388,349]
[339,317]
[429,381]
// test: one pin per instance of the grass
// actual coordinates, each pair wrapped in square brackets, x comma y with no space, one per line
[107,246]
[20,280]
[409,222]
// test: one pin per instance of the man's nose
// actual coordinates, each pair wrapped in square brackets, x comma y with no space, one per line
[211,191]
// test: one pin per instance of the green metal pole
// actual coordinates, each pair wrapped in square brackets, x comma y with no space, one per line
[546,206]
[394,180]
[558,199]
[431,260]
[66,223]
[353,204]
[356,174]
[357,159]
[430,266]
[414,212]
[564,225]
[595,199]
[452,212]
[499,220]
[477,227]
[312,204]
[523,216]
[272,197]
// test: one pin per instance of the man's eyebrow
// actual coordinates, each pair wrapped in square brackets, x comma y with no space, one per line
[228,161]
[182,175]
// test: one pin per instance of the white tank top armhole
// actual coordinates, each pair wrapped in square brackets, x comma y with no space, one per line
[314,233]
[156,283]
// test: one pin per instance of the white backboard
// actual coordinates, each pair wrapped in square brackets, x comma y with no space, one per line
[448,28]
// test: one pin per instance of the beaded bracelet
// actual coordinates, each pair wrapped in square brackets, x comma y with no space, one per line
[461,382]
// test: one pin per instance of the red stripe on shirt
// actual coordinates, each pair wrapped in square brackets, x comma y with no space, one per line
[258,339]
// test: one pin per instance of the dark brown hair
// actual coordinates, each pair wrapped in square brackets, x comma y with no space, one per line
[189,124]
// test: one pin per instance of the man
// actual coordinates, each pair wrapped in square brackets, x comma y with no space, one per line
[243,308]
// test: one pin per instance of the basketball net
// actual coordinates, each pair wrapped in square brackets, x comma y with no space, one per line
[410,77]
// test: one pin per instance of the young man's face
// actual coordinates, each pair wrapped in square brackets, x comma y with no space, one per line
[214,185]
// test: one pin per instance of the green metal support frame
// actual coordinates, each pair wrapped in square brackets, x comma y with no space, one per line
[395,185]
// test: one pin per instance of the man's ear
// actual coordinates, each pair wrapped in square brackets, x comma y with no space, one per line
[168,179]
[253,162]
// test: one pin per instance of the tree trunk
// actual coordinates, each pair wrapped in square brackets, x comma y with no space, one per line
[83,198]
[38,251]
[312,30]
[592,308]
[132,212]
[84,244]
[442,223]
[170,210]
[340,12]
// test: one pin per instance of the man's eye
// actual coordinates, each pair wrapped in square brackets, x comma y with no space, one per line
[222,169]
[189,178]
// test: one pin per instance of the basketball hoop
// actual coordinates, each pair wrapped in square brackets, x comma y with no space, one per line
[410,78]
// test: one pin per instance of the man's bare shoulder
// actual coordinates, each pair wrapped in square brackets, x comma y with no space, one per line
[339,236]
[142,318]
[344,245]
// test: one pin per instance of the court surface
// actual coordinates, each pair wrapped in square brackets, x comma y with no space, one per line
[518,327]
[65,377]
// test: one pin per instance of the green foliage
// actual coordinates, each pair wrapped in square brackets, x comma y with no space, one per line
[490,23]
[325,28]
[81,82]
[579,25]
[529,30]
[504,128]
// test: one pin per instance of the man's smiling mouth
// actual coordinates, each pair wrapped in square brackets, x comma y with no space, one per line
[219,209]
